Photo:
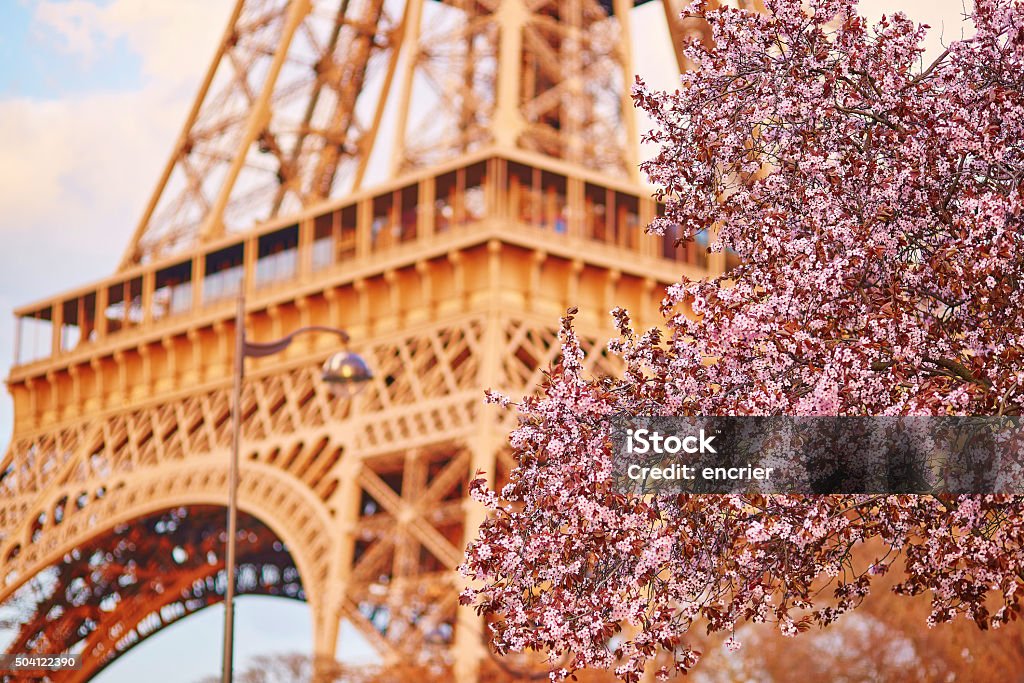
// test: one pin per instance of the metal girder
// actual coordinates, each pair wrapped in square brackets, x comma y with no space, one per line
[290,112]
[276,117]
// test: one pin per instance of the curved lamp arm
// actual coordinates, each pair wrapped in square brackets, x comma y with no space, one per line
[260,349]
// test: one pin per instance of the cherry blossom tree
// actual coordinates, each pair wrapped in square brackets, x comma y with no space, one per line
[875,202]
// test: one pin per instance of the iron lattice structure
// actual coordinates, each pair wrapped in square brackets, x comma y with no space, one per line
[511,194]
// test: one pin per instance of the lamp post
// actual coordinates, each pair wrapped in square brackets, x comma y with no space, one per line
[346,372]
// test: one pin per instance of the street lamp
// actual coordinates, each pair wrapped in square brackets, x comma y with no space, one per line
[345,372]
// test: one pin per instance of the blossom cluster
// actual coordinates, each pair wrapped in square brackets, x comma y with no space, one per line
[875,203]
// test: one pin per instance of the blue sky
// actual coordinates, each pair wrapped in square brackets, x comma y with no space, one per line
[92,95]
[45,68]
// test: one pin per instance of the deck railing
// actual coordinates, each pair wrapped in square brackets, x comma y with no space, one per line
[536,199]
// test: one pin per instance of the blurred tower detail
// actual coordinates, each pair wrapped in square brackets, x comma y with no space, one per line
[441,179]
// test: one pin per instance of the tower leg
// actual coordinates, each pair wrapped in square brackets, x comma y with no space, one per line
[326,621]
[468,647]
[470,637]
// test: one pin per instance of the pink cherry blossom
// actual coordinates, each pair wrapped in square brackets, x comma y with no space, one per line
[875,203]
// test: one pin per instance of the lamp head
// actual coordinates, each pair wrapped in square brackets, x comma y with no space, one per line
[346,373]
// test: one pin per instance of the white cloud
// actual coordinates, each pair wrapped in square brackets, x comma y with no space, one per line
[82,166]
[76,170]
[70,25]
[82,162]
[174,39]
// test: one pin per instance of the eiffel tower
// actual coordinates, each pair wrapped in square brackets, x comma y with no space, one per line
[509,143]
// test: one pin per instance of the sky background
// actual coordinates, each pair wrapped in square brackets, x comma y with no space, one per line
[93,94]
